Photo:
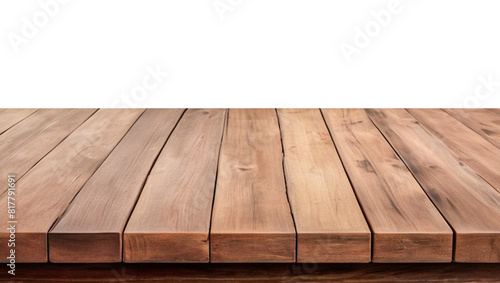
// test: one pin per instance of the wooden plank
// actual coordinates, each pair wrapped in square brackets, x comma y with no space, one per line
[470,147]
[171,220]
[48,188]
[469,204]
[251,219]
[330,224]
[91,228]
[406,226]
[494,110]
[10,117]
[485,123]
[26,143]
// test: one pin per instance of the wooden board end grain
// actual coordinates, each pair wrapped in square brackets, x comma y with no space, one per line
[166,247]
[252,247]
[85,247]
[334,247]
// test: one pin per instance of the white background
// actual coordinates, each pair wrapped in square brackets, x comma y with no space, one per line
[262,53]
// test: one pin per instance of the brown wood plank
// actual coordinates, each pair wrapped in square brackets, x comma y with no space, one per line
[485,123]
[47,189]
[251,219]
[330,224]
[406,226]
[470,147]
[30,140]
[494,110]
[470,205]
[10,117]
[91,228]
[171,220]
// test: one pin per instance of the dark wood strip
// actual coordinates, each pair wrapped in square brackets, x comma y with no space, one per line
[367,272]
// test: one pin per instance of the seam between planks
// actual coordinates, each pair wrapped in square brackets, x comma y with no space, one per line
[19,121]
[52,149]
[224,132]
[421,187]
[100,164]
[493,110]
[443,109]
[352,187]
[147,176]
[426,128]
[485,109]
[286,186]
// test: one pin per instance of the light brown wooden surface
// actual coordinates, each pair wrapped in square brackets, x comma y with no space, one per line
[48,188]
[10,117]
[405,224]
[91,228]
[485,123]
[470,147]
[494,110]
[469,204]
[171,220]
[23,145]
[330,224]
[251,219]
[79,175]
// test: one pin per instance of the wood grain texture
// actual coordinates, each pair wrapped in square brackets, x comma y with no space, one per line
[171,220]
[469,204]
[30,140]
[330,224]
[48,188]
[406,226]
[10,117]
[494,110]
[485,123]
[470,147]
[251,219]
[91,228]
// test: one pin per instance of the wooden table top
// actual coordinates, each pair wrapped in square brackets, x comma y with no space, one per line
[251,185]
